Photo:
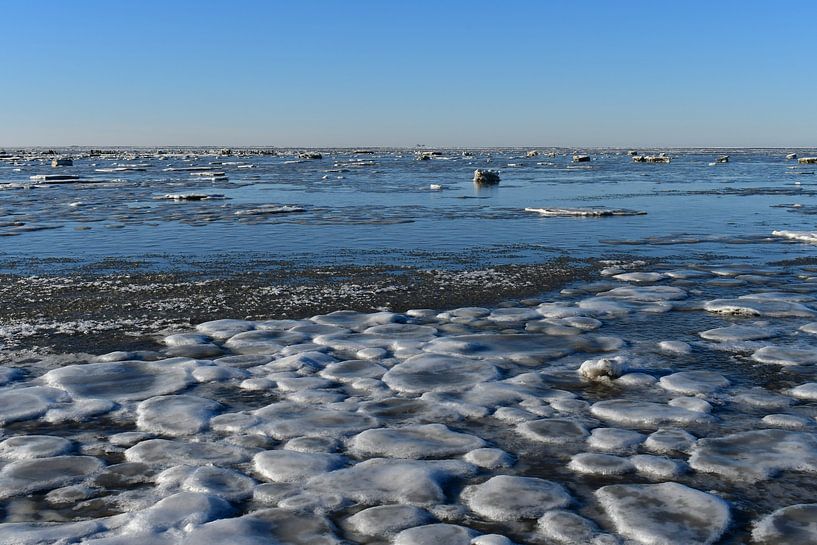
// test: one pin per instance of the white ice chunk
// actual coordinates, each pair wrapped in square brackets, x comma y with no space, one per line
[782,355]
[224,329]
[422,441]
[753,307]
[793,525]
[694,382]
[646,414]
[379,481]
[176,415]
[27,476]
[489,458]
[26,447]
[657,467]
[124,380]
[738,333]
[756,455]
[27,403]
[807,391]
[289,466]
[556,431]
[438,373]
[567,527]
[436,534]
[217,481]
[614,439]
[592,463]
[163,452]
[675,348]
[640,277]
[287,420]
[665,514]
[507,497]
[603,368]
[669,440]
[387,520]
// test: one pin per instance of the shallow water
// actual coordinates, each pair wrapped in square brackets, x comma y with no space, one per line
[384,201]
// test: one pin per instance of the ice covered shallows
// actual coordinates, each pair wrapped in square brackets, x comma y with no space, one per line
[756,455]
[665,514]
[506,497]
[793,525]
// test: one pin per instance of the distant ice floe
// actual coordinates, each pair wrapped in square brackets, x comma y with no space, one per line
[585,212]
[802,236]
[635,409]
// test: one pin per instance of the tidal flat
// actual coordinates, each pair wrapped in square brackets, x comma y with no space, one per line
[300,347]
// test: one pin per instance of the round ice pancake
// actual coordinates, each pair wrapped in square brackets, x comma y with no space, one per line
[507,497]
[754,307]
[665,514]
[28,403]
[222,482]
[358,321]
[793,525]
[27,476]
[224,329]
[646,414]
[738,333]
[436,534]
[350,370]
[288,420]
[756,455]
[25,447]
[288,466]
[566,527]
[782,355]
[438,373]
[669,440]
[694,382]
[593,463]
[176,415]
[163,452]
[124,380]
[423,441]
[263,341]
[387,520]
[614,439]
[556,431]
[378,481]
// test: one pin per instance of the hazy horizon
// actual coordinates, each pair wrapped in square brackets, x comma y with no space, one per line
[365,74]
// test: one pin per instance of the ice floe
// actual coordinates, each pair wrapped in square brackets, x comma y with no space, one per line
[426,441]
[756,455]
[792,525]
[665,514]
[507,497]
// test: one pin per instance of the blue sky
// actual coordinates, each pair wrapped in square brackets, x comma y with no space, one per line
[369,73]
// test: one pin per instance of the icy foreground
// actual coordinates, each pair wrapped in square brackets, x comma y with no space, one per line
[655,407]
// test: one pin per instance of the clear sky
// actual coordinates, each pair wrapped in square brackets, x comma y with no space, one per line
[388,73]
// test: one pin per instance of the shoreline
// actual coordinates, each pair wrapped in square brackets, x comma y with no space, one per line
[98,313]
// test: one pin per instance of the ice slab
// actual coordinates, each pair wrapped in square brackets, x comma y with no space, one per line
[507,497]
[756,455]
[420,441]
[665,514]
[792,525]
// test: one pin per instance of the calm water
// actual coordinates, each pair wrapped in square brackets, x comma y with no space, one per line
[357,203]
